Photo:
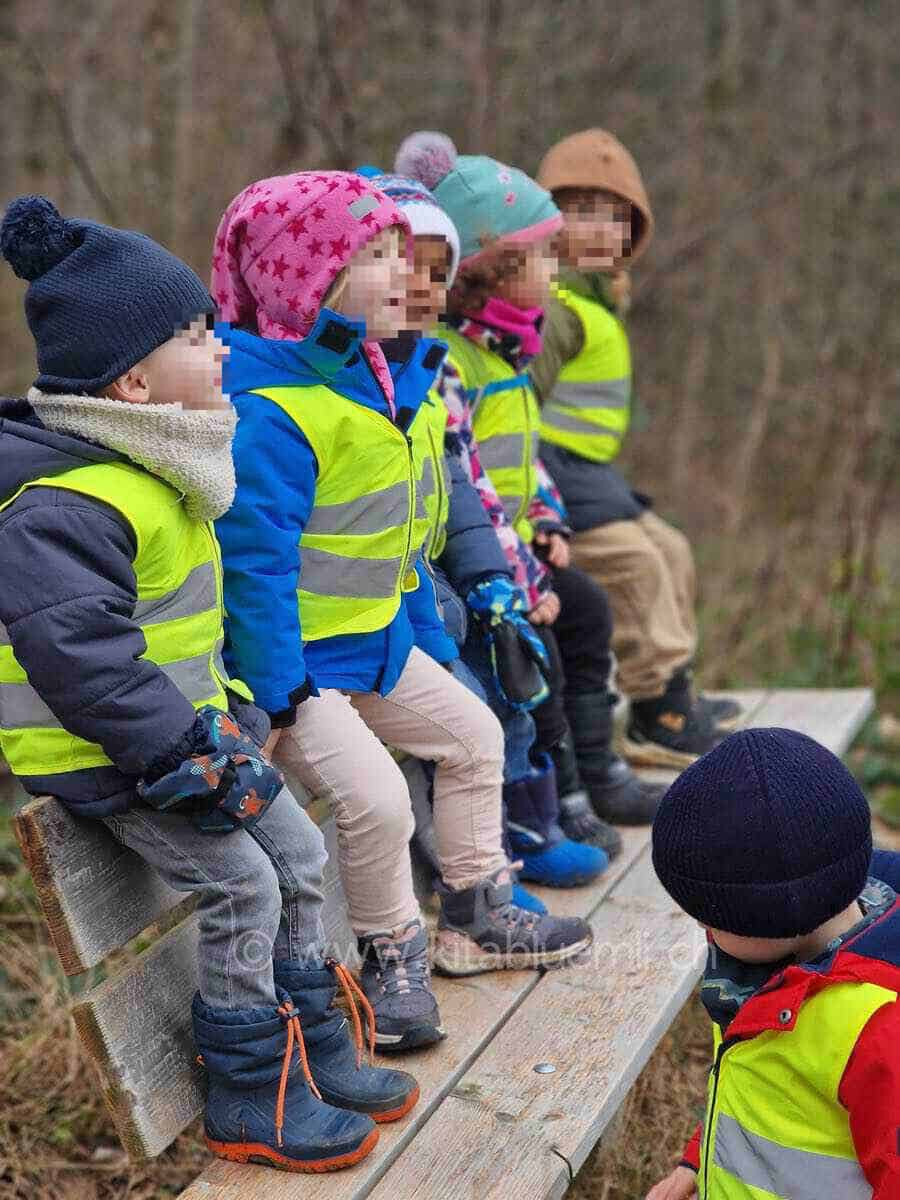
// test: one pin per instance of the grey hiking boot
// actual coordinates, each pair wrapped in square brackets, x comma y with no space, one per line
[396,979]
[480,929]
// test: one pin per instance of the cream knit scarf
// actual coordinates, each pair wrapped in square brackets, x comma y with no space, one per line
[191,450]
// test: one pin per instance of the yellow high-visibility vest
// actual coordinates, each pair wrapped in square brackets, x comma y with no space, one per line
[505,420]
[775,1128]
[432,476]
[359,547]
[178,571]
[589,409]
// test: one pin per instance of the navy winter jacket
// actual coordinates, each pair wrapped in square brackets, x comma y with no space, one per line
[67,597]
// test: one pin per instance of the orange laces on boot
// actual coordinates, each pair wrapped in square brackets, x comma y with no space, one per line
[294,1034]
[353,993]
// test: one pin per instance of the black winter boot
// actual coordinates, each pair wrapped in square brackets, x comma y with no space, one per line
[672,730]
[262,1104]
[615,791]
[576,816]
[336,1059]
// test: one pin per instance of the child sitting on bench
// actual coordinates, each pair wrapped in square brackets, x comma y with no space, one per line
[113,695]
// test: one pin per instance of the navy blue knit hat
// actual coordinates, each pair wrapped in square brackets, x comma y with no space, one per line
[100,299]
[768,835]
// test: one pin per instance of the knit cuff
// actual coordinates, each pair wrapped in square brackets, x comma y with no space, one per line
[286,717]
[190,743]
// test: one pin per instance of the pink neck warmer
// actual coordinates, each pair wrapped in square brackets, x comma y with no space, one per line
[524,323]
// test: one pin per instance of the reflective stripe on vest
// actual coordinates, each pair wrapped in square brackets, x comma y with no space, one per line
[755,1144]
[589,409]
[505,420]
[179,610]
[782,1171]
[433,478]
[363,533]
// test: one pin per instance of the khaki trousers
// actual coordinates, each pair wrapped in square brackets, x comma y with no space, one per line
[336,750]
[647,569]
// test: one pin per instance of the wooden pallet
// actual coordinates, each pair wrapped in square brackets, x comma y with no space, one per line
[486,1120]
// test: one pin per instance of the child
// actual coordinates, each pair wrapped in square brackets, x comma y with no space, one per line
[470,553]
[506,224]
[320,549]
[766,841]
[113,696]
[583,380]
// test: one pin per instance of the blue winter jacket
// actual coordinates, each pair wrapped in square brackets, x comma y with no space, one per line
[276,485]
[67,597]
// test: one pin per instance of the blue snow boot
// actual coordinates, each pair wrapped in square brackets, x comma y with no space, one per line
[535,836]
[336,1059]
[262,1105]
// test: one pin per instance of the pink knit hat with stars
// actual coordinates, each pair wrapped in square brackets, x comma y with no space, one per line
[283,241]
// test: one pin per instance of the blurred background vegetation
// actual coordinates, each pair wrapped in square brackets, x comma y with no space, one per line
[765,334]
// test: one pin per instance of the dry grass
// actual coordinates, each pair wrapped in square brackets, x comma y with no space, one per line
[657,1118]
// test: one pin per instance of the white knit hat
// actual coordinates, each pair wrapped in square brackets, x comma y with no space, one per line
[425,215]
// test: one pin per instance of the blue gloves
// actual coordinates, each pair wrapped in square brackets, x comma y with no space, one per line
[518,658]
[226,785]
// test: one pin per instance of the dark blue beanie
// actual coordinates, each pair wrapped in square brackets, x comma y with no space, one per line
[100,299]
[768,835]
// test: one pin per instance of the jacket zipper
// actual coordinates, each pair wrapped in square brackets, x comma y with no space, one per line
[710,1122]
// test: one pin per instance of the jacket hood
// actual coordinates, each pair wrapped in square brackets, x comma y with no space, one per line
[595,158]
[28,450]
[333,355]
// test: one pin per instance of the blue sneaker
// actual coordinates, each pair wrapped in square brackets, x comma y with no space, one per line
[523,899]
[535,837]
[556,862]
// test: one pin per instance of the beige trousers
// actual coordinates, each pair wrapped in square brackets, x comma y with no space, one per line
[647,569]
[336,750]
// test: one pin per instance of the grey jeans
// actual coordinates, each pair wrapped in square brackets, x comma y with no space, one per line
[259,892]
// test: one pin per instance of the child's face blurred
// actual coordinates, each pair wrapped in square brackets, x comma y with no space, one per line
[529,271]
[376,285]
[426,289]
[597,233]
[185,371]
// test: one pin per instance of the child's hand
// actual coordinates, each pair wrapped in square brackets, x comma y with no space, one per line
[557,549]
[546,610]
[680,1185]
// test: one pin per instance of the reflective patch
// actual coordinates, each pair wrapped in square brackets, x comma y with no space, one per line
[372,513]
[610,393]
[363,206]
[22,708]
[4,636]
[502,451]
[325,574]
[197,594]
[783,1171]
[555,419]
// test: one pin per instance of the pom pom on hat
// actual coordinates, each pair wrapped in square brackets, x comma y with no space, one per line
[427,156]
[34,237]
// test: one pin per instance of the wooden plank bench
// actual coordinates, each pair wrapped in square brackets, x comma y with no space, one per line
[486,1120]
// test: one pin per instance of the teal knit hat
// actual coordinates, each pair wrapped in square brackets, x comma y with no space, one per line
[486,200]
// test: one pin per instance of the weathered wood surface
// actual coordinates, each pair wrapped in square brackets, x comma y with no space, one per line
[137,1028]
[95,894]
[832,717]
[505,1129]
